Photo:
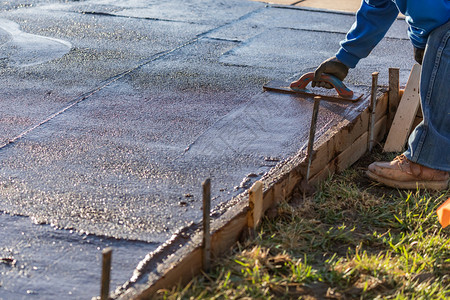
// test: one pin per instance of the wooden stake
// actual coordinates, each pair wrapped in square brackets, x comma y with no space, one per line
[255,199]
[394,94]
[373,105]
[106,272]
[406,113]
[206,224]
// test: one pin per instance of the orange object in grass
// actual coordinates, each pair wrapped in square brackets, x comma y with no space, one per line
[443,213]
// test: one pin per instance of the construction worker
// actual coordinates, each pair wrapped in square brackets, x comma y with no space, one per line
[426,162]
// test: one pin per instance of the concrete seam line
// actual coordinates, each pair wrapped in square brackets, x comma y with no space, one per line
[88,94]
[113,79]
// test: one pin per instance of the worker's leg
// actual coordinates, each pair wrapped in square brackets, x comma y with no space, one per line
[429,143]
[426,163]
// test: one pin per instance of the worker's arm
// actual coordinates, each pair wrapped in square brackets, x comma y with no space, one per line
[376,16]
[373,20]
[423,16]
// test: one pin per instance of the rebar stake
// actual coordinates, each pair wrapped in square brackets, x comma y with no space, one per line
[106,272]
[312,133]
[393,95]
[206,224]
[373,104]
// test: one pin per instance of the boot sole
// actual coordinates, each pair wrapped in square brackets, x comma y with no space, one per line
[409,185]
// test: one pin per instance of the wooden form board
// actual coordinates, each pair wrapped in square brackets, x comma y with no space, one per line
[334,146]
[406,113]
[334,152]
[352,153]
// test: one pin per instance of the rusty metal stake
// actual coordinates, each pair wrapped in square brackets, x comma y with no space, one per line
[312,133]
[373,104]
[206,224]
[106,273]
[393,95]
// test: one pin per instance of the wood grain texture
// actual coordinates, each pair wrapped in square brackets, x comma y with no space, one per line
[256,210]
[406,113]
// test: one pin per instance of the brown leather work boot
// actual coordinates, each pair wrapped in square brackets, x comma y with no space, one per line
[404,174]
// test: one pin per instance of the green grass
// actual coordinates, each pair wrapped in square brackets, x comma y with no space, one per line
[351,240]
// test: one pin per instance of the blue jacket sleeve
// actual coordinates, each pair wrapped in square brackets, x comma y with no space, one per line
[373,20]
[423,16]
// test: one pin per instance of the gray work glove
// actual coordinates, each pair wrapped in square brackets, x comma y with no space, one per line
[418,55]
[331,66]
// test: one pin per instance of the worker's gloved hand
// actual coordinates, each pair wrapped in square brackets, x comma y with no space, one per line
[331,66]
[418,55]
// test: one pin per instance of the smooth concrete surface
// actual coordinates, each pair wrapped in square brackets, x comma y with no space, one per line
[114,112]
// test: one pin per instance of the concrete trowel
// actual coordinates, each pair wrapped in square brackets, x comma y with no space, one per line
[340,92]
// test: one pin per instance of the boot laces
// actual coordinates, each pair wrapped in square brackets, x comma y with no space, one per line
[402,161]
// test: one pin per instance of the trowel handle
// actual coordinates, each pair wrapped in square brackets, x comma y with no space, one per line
[343,91]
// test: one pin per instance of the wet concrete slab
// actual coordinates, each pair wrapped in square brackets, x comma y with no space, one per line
[128,155]
[111,133]
[49,86]
[307,19]
[304,51]
[307,38]
[43,262]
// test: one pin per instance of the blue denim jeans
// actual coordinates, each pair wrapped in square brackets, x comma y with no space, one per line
[429,143]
